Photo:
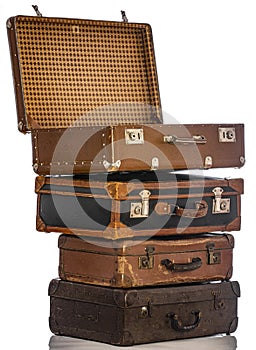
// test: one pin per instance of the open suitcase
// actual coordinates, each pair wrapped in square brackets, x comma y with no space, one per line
[88,93]
[154,262]
[142,204]
[135,316]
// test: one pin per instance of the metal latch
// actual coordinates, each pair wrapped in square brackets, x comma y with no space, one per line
[227,134]
[219,303]
[141,209]
[220,205]
[146,262]
[146,311]
[213,256]
[134,136]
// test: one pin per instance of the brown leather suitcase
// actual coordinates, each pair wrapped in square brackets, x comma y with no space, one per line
[156,261]
[88,93]
[144,315]
[142,204]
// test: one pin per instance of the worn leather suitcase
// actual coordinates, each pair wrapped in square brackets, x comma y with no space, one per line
[159,261]
[88,93]
[141,204]
[135,316]
[218,342]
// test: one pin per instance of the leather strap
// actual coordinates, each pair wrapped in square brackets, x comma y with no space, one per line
[200,210]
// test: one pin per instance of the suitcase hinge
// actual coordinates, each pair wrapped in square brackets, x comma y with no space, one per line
[141,210]
[147,262]
[213,256]
[124,18]
[220,205]
[207,162]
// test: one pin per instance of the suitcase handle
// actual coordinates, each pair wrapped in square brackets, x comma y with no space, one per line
[200,210]
[197,139]
[195,263]
[177,325]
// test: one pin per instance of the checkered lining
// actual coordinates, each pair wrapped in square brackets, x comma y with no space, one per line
[84,73]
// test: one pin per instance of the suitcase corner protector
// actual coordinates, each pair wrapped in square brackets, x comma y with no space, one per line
[234,225]
[127,338]
[53,286]
[53,326]
[39,183]
[62,241]
[40,225]
[236,288]
[233,325]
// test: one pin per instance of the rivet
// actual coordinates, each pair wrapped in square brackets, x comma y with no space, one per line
[242,160]
[20,126]
[35,167]
[9,24]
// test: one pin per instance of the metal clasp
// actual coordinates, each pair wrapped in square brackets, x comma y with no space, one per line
[213,256]
[147,262]
[141,209]
[134,136]
[220,205]
[227,134]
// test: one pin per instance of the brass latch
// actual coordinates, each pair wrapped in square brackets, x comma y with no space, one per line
[134,136]
[146,311]
[146,262]
[227,134]
[220,205]
[213,256]
[141,209]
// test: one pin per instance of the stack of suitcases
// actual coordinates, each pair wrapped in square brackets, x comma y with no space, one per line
[140,259]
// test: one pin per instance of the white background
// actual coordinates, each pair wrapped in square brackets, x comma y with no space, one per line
[206,61]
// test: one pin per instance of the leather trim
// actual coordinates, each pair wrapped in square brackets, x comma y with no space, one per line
[39,183]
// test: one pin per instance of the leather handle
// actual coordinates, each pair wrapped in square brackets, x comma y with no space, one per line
[195,264]
[200,210]
[178,326]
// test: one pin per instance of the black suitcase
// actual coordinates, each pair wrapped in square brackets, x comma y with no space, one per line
[144,315]
[137,204]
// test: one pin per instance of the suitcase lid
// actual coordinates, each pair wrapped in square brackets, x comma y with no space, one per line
[129,298]
[75,72]
[163,246]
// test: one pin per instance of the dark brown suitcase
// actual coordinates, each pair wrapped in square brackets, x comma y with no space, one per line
[217,342]
[88,93]
[135,316]
[156,261]
[141,204]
